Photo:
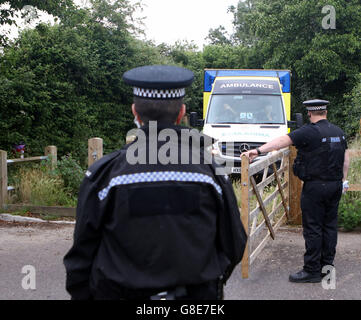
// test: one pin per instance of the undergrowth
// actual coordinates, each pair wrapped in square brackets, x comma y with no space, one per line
[39,184]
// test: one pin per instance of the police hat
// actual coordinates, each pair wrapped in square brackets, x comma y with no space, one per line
[316,105]
[159,82]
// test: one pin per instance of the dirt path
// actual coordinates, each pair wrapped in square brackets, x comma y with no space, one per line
[44,246]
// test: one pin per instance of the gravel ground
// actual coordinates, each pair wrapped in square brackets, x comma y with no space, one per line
[269,274]
[40,245]
[44,246]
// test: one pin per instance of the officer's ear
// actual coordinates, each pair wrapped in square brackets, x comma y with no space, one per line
[181,114]
[136,115]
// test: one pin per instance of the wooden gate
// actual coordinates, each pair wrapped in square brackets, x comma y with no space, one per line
[264,205]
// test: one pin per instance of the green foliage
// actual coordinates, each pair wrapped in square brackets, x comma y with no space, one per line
[352,111]
[225,56]
[286,34]
[62,84]
[39,185]
[243,22]
[71,173]
[10,8]
[350,204]
[354,174]
[218,36]
[350,211]
[43,99]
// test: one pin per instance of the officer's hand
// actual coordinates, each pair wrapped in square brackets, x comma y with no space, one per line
[345,187]
[251,154]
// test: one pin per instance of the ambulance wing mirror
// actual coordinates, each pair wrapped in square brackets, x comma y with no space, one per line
[299,120]
[296,124]
[194,121]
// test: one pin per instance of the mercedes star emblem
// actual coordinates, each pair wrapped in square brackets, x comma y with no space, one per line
[244,147]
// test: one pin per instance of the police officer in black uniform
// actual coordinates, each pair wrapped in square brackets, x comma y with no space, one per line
[151,230]
[322,162]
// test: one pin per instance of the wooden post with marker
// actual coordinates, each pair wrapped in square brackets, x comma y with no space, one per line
[95,150]
[51,151]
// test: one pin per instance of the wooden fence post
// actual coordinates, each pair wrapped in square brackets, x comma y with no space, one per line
[3,178]
[245,213]
[295,191]
[53,153]
[95,150]
[287,175]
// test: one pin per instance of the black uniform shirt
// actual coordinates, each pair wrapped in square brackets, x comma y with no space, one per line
[308,137]
[321,151]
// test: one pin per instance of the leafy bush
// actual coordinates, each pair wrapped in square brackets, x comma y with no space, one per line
[350,204]
[350,211]
[71,173]
[39,184]
[352,111]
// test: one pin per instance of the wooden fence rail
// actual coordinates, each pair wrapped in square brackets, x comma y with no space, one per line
[95,152]
[50,152]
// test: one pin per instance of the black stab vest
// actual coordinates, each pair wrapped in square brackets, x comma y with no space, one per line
[326,161]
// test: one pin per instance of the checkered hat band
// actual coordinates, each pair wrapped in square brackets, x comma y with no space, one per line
[318,108]
[159,94]
[165,176]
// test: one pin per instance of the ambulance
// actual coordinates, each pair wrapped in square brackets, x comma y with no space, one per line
[243,109]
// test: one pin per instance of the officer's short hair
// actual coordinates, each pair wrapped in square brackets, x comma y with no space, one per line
[158,109]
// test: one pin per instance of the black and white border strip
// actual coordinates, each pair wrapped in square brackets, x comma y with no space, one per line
[318,108]
[159,94]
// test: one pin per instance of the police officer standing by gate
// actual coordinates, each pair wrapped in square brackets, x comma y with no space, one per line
[322,162]
[153,230]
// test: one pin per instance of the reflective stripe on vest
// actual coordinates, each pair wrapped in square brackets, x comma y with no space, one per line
[162,176]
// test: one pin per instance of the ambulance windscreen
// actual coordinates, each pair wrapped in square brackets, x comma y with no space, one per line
[257,109]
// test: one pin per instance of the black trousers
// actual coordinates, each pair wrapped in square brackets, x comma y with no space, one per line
[319,204]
